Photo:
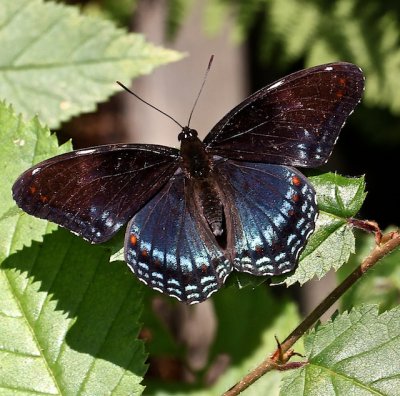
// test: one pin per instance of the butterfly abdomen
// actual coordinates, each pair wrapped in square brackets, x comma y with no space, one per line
[210,204]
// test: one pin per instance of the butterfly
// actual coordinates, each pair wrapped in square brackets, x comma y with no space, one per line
[230,202]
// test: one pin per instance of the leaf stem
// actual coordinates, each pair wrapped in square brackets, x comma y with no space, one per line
[389,242]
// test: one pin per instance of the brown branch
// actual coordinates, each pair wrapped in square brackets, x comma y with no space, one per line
[389,242]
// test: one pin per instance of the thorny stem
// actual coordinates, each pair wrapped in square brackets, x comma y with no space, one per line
[388,243]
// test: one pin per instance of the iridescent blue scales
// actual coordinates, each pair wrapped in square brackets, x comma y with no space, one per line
[165,251]
[272,212]
[231,202]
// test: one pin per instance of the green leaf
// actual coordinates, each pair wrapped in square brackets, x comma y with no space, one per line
[381,285]
[23,144]
[247,322]
[330,247]
[339,195]
[68,319]
[333,241]
[57,63]
[355,354]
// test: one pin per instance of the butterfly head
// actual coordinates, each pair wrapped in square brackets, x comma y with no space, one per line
[187,134]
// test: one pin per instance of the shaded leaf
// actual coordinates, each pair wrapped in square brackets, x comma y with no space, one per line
[57,63]
[247,322]
[69,320]
[355,354]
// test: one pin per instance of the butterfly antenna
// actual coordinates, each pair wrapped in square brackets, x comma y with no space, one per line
[142,100]
[201,88]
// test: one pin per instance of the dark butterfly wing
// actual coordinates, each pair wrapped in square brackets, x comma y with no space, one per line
[170,247]
[272,214]
[294,121]
[94,192]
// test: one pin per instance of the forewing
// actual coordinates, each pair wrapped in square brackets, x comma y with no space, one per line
[294,121]
[94,192]
[170,247]
[272,211]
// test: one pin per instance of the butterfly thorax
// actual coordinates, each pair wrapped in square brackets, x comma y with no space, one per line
[197,167]
[195,160]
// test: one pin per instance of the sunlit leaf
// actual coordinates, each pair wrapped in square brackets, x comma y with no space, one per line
[57,63]
[355,354]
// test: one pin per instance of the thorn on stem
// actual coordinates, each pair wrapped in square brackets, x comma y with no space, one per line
[368,226]
[281,358]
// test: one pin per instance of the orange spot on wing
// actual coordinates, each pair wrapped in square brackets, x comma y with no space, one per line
[144,253]
[295,197]
[204,268]
[133,239]
[259,250]
[32,189]
[44,198]
[340,92]
[157,263]
[296,181]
